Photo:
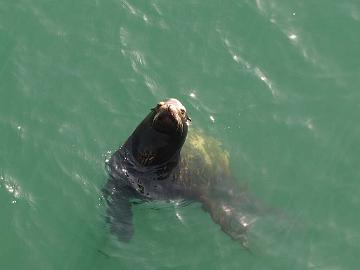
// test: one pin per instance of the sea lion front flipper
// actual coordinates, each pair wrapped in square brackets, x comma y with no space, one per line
[232,219]
[119,213]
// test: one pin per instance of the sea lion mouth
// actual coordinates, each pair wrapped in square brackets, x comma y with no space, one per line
[170,117]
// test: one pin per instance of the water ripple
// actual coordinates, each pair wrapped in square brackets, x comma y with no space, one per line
[255,70]
[11,185]
[135,11]
[284,18]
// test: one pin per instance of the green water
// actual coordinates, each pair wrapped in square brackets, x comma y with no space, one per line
[277,82]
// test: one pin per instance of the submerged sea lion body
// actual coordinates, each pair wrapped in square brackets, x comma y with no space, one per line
[155,164]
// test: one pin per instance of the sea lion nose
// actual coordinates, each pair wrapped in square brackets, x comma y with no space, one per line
[170,107]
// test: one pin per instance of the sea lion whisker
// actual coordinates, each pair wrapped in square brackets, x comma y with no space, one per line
[155,118]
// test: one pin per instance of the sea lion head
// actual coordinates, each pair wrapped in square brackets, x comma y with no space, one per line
[159,138]
[170,117]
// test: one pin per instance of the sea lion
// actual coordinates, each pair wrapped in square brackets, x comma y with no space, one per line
[153,165]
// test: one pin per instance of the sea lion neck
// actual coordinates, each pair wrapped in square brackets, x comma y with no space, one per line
[150,147]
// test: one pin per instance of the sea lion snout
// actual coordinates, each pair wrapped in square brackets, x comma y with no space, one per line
[170,116]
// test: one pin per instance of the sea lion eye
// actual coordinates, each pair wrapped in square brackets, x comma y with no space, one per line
[158,106]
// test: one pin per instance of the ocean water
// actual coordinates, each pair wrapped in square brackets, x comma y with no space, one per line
[276,82]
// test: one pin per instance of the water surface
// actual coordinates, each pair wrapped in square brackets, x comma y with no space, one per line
[277,83]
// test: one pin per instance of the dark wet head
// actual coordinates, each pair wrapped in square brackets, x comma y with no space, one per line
[170,117]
